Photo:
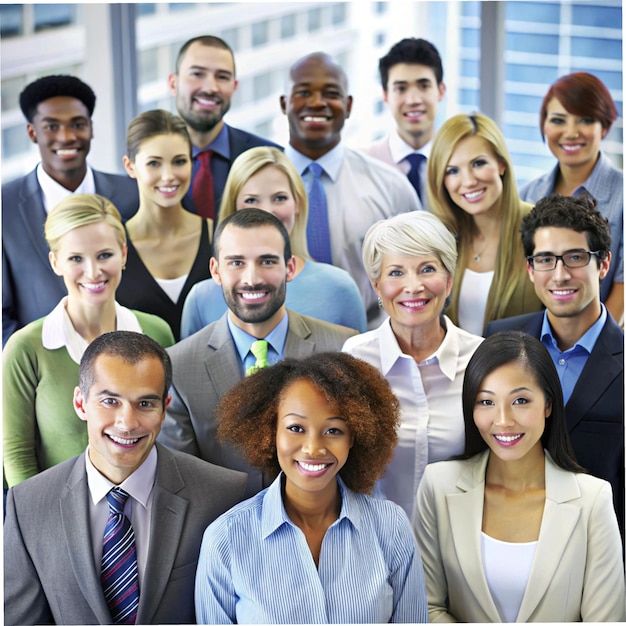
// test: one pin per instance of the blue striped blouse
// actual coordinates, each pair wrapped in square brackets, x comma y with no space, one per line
[255,566]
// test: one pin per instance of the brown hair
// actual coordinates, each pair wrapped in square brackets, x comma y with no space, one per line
[151,124]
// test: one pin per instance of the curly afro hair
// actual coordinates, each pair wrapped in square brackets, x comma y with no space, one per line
[248,413]
[54,86]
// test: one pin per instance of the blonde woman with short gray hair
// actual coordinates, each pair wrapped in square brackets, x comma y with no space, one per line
[40,361]
[410,260]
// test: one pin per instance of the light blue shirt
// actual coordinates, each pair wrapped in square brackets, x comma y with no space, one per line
[243,341]
[570,363]
[255,566]
[337,299]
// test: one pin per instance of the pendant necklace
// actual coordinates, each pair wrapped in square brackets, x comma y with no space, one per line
[478,255]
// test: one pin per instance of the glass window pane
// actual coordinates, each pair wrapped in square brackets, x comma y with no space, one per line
[524,104]
[470,9]
[470,68]
[11,20]
[260,34]
[314,20]
[262,85]
[181,6]
[531,73]
[146,8]
[527,42]
[468,97]
[594,15]
[470,37]
[148,62]
[287,26]
[544,12]
[597,48]
[15,141]
[53,15]
[339,13]
[231,37]
[11,89]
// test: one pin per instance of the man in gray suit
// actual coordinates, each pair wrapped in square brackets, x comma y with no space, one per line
[58,110]
[55,541]
[252,262]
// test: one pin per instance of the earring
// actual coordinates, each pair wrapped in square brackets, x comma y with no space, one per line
[380,303]
[123,267]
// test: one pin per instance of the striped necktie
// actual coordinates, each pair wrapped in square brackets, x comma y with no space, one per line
[259,350]
[119,574]
[317,228]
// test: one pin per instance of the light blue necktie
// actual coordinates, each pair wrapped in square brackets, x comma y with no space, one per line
[119,573]
[317,230]
[414,177]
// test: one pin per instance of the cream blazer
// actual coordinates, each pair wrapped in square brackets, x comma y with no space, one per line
[577,573]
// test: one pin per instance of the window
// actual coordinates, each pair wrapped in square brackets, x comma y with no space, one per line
[380,8]
[53,15]
[314,20]
[338,13]
[260,34]
[15,140]
[287,26]
[11,89]
[262,86]
[597,48]
[11,20]
[594,15]
[148,62]
[528,42]
[542,12]
[231,37]
[531,73]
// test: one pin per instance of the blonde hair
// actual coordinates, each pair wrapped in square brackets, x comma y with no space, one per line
[510,270]
[81,209]
[250,163]
[416,233]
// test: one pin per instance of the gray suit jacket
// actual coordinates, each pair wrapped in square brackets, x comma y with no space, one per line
[206,365]
[30,289]
[577,572]
[49,571]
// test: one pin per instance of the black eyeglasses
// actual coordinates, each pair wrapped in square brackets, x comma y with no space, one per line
[571,259]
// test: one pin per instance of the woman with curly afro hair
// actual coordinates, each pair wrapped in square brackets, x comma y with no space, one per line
[313,547]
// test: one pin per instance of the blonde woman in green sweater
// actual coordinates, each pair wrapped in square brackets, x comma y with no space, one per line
[40,361]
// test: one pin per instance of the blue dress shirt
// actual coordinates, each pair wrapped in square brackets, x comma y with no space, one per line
[570,363]
[255,566]
[243,341]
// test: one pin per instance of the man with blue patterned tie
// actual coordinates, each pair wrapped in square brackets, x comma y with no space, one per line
[348,191]
[113,536]
[411,74]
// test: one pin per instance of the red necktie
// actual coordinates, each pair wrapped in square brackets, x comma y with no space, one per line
[202,190]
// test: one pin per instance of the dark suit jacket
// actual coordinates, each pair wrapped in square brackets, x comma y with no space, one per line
[206,365]
[239,141]
[50,575]
[595,410]
[30,289]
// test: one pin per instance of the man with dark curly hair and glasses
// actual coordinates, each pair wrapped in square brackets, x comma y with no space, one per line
[567,245]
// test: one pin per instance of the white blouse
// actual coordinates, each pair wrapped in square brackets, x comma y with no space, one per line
[473,300]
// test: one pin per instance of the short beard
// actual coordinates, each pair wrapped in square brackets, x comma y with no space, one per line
[204,124]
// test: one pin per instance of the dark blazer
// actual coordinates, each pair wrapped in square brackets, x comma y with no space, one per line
[595,410]
[30,289]
[206,365]
[239,141]
[50,575]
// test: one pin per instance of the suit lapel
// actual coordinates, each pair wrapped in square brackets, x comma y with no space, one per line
[601,369]
[222,362]
[77,528]
[33,215]
[299,341]
[166,529]
[557,525]
[465,517]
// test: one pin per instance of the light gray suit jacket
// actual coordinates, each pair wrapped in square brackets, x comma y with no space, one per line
[577,573]
[206,365]
[30,289]
[50,575]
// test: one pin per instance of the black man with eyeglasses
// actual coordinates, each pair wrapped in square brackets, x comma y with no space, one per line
[567,246]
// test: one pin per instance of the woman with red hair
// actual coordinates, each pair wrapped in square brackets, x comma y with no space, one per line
[576,114]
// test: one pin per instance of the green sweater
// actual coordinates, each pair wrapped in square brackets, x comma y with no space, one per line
[41,428]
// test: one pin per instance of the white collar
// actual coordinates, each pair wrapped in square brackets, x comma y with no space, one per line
[400,149]
[53,193]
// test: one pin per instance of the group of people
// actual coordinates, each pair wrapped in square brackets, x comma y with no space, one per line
[263,371]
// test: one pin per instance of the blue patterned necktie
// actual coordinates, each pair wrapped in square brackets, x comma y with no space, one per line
[414,177]
[259,350]
[317,229]
[119,574]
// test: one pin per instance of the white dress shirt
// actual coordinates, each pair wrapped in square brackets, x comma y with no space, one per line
[432,427]
[360,191]
[52,193]
[138,507]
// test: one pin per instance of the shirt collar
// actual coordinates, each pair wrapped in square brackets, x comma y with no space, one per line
[276,338]
[587,341]
[220,145]
[400,149]
[446,355]
[57,330]
[53,192]
[138,485]
[331,161]
[273,514]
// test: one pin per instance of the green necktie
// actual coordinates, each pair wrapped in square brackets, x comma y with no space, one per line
[259,350]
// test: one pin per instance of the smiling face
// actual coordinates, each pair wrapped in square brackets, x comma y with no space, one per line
[204,86]
[473,176]
[510,412]
[568,292]
[124,412]
[269,189]
[252,272]
[162,167]
[412,95]
[62,129]
[413,290]
[90,260]
[317,105]
[312,440]
[574,140]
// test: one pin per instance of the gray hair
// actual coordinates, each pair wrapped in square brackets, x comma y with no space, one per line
[417,233]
